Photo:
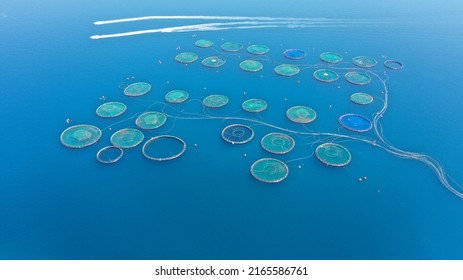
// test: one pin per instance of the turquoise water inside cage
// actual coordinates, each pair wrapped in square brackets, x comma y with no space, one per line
[61,203]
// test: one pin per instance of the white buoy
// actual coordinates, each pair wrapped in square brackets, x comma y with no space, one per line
[360,180]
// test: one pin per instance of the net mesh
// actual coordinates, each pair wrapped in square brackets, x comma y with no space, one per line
[111,109]
[361,98]
[232,47]
[176,96]
[215,101]
[251,66]
[109,154]
[237,134]
[333,154]
[80,136]
[355,122]
[213,61]
[254,105]
[287,70]
[269,170]
[137,89]
[324,75]
[164,147]
[301,114]
[357,78]
[186,57]
[364,61]
[151,120]
[331,57]
[258,49]
[127,138]
[204,43]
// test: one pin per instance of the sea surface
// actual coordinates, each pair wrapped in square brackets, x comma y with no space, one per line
[60,203]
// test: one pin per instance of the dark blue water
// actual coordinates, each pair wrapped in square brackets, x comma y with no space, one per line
[59,203]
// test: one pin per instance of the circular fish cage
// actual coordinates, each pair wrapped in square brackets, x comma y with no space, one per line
[176,96]
[204,43]
[164,147]
[137,89]
[324,75]
[294,54]
[111,109]
[151,120]
[355,122]
[215,101]
[393,65]
[287,70]
[258,49]
[364,61]
[251,66]
[331,57]
[80,136]
[269,170]
[232,47]
[186,57]
[254,105]
[277,143]
[301,114]
[357,78]
[333,154]
[127,138]
[109,154]
[361,98]
[213,61]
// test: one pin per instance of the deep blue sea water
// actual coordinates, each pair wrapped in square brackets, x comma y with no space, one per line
[60,203]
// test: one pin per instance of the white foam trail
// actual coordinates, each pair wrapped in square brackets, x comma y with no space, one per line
[208,27]
[101,22]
